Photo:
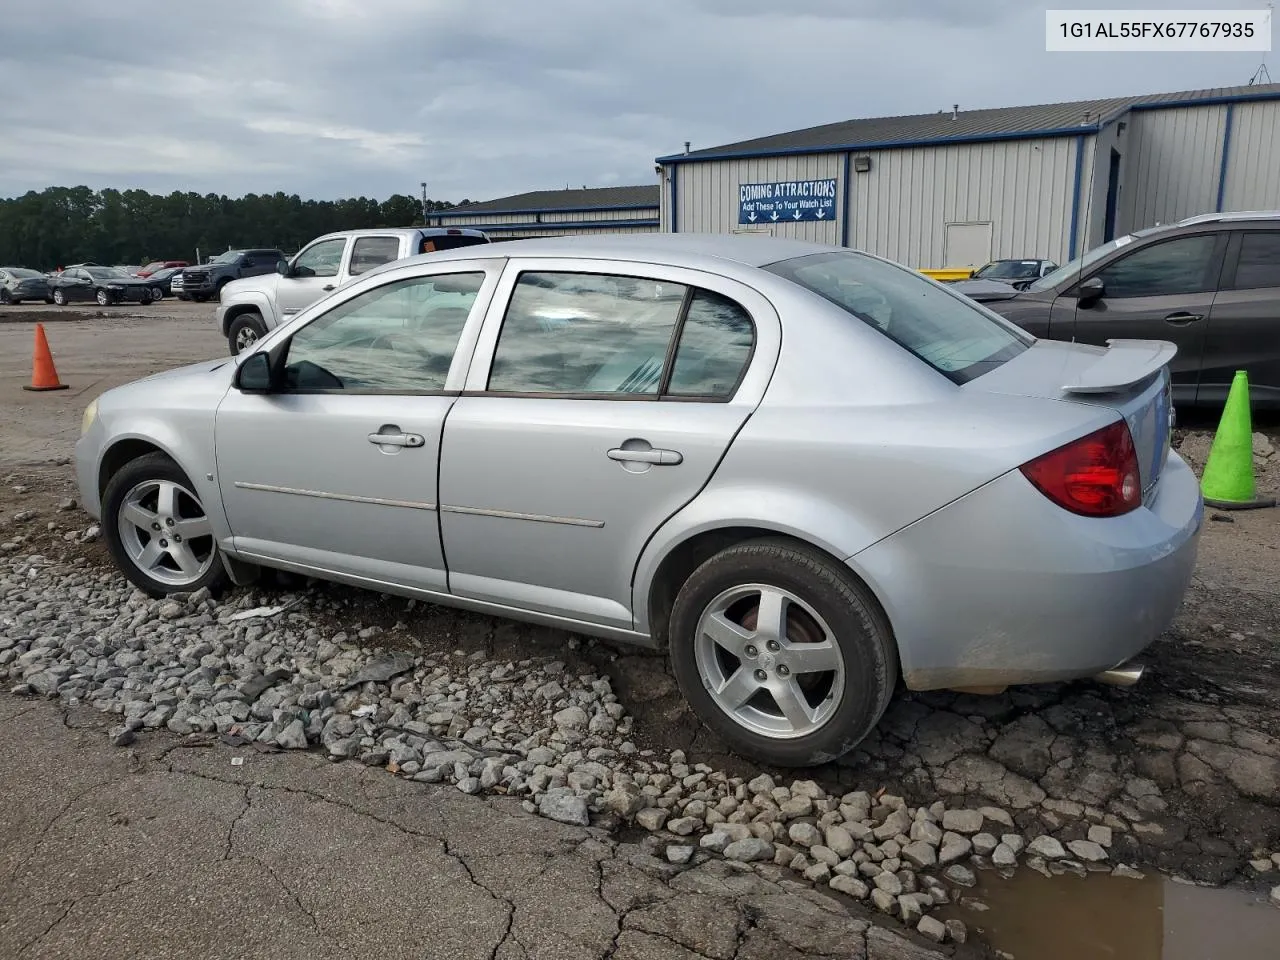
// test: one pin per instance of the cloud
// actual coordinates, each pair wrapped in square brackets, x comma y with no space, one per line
[331,98]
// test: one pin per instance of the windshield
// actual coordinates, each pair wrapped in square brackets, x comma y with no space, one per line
[1009,270]
[105,273]
[946,330]
[1080,264]
[22,273]
[229,257]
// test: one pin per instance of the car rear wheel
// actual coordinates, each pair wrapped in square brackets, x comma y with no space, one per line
[785,655]
[157,530]
[245,331]
[103,298]
[59,298]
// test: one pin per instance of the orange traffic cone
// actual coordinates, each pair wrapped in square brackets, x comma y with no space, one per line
[44,375]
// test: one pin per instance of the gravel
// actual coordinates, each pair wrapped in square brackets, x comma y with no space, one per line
[532,729]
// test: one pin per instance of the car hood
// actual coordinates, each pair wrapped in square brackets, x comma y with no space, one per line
[265,284]
[191,370]
[985,290]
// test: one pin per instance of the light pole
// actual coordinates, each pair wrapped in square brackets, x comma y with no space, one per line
[424,203]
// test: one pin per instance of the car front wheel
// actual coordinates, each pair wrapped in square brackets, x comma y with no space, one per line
[157,529]
[785,655]
[59,298]
[245,331]
[103,298]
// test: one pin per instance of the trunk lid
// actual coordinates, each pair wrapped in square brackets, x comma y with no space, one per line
[1130,377]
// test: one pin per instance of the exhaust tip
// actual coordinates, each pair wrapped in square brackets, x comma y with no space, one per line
[1125,675]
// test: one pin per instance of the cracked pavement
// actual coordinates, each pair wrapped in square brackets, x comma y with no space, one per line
[167,849]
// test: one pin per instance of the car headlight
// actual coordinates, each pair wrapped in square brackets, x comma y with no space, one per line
[90,415]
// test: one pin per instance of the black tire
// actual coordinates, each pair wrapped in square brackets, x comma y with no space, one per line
[199,297]
[50,300]
[6,298]
[145,298]
[153,466]
[103,297]
[861,630]
[245,330]
[59,298]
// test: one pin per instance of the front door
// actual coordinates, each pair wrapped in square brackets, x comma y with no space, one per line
[1162,291]
[312,275]
[599,404]
[337,471]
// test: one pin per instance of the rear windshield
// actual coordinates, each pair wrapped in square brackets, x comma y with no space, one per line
[946,330]
[21,273]
[445,241]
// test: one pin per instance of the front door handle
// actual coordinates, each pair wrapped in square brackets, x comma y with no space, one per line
[1180,319]
[397,439]
[327,287]
[662,458]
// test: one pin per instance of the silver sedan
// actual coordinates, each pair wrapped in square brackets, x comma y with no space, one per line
[807,473]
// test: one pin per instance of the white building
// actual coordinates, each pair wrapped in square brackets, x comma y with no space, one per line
[961,187]
[560,213]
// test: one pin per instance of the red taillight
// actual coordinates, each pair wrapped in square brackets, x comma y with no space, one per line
[1095,476]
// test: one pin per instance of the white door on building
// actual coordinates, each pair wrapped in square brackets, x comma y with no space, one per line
[967,244]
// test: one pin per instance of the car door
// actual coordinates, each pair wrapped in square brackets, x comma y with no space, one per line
[1160,291]
[336,470]
[313,273]
[78,285]
[600,401]
[1244,324]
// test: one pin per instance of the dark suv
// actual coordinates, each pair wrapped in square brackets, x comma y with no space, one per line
[1209,284]
[207,280]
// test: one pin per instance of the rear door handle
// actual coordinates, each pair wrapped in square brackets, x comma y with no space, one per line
[662,458]
[1180,319]
[397,439]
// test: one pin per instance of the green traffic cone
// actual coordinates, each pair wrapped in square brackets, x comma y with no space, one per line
[1228,482]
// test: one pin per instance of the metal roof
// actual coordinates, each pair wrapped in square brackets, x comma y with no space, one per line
[969,126]
[564,201]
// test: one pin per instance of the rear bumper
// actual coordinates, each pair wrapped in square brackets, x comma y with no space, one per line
[1002,587]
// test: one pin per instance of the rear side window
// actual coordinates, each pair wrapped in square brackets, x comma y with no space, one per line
[715,347]
[370,252]
[1259,265]
[947,331]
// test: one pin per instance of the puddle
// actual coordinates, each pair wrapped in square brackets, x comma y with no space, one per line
[1033,917]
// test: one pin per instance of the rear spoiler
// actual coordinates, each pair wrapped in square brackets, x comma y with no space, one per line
[1126,363]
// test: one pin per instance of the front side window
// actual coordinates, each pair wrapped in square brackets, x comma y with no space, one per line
[577,333]
[370,252]
[1166,269]
[945,330]
[320,259]
[1259,266]
[396,338]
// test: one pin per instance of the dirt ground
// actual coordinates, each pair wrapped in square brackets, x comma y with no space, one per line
[1216,667]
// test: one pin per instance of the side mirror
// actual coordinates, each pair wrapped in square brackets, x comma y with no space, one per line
[1091,290]
[254,374]
[282,267]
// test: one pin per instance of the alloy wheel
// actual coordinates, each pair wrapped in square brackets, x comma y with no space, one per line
[166,533]
[769,661]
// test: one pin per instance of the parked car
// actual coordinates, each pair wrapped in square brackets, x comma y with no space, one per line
[1017,272]
[157,265]
[105,285]
[249,308]
[801,529]
[19,283]
[162,280]
[1210,284]
[200,283]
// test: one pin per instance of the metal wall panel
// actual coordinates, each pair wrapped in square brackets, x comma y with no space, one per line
[533,231]
[1171,168]
[1022,187]
[708,193]
[1253,159]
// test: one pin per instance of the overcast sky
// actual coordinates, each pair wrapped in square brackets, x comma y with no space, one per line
[486,98]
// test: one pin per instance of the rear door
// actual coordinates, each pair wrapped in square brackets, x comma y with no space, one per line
[1160,291]
[1244,325]
[313,273]
[601,399]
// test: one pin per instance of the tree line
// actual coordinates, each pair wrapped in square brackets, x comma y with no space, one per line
[62,225]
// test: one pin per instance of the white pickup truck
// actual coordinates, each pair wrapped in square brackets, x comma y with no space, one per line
[252,306]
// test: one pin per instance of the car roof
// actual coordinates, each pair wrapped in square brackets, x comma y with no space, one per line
[400,232]
[671,249]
